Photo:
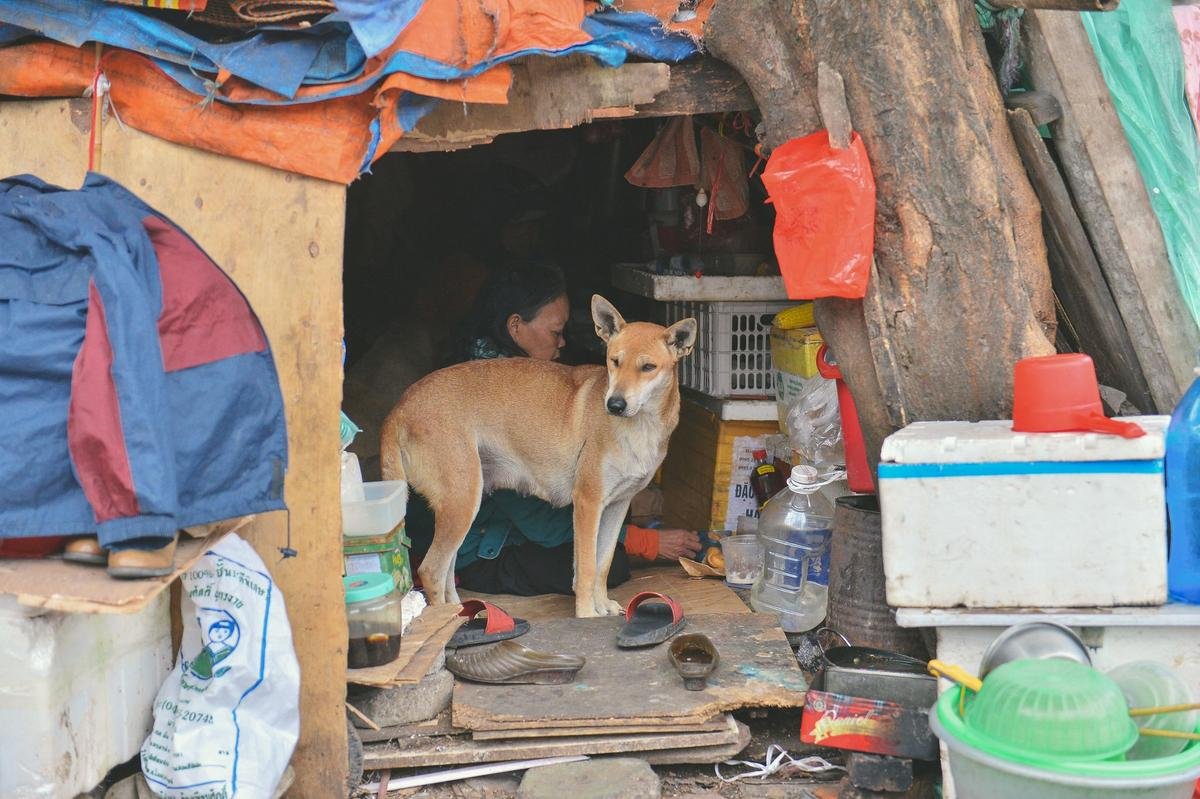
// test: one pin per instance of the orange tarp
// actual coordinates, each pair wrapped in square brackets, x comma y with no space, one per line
[327,139]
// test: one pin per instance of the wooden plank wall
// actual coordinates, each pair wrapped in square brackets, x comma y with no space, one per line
[280,237]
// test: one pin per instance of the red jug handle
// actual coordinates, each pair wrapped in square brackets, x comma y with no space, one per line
[829,371]
[1099,423]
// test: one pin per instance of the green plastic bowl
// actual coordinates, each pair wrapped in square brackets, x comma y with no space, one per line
[1037,710]
[950,727]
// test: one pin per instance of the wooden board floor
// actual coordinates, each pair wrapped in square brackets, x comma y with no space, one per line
[625,687]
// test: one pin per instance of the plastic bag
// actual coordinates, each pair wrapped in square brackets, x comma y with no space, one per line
[670,160]
[824,202]
[815,424]
[1138,48]
[227,718]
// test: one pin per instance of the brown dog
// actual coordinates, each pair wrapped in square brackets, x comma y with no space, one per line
[564,434]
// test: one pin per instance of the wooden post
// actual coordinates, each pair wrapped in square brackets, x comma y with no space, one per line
[1076,273]
[1112,201]
[279,236]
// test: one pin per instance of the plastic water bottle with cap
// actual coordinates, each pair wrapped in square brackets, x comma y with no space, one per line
[1183,497]
[794,529]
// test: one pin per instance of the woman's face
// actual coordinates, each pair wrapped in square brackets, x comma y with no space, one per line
[542,336]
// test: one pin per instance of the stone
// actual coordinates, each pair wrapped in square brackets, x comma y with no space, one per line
[406,704]
[599,778]
[879,772]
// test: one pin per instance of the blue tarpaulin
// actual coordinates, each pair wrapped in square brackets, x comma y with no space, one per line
[643,34]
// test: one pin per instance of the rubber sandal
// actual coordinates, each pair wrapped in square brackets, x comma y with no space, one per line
[86,550]
[509,663]
[498,626]
[695,657]
[649,624]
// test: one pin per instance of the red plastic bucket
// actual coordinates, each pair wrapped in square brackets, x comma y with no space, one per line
[1060,394]
[858,471]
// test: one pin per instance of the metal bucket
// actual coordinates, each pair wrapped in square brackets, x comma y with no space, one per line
[858,607]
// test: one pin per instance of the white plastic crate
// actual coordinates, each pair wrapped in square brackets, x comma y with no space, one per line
[732,356]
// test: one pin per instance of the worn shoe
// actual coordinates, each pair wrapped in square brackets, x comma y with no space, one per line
[694,657]
[85,550]
[510,663]
[138,564]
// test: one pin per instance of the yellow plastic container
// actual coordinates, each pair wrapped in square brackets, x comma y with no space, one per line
[795,351]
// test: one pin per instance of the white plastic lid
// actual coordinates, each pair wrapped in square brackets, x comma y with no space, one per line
[803,478]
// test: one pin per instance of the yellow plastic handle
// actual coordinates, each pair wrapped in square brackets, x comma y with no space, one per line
[956,673]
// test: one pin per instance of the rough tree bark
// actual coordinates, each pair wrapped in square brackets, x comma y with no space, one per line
[961,288]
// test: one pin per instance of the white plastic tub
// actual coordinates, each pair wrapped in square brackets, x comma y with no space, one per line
[978,516]
[378,514]
[76,694]
[978,775]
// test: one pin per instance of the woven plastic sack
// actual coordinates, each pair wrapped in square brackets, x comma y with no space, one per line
[824,216]
[1138,48]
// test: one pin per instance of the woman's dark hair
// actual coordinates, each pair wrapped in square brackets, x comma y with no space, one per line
[522,290]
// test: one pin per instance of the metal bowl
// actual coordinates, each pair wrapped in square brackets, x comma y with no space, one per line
[1034,639]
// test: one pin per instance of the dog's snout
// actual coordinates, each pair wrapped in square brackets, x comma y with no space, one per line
[616,405]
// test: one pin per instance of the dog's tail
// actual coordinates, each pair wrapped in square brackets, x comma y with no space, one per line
[391,450]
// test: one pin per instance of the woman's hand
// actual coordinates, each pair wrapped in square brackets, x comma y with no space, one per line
[676,544]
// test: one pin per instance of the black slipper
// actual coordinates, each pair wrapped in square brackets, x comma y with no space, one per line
[498,626]
[652,623]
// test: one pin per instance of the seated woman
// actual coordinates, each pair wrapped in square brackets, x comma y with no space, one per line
[521,544]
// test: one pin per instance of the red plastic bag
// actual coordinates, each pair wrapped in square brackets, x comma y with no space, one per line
[824,216]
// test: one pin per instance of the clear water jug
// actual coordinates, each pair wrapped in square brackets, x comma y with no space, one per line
[795,531]
[1183,498]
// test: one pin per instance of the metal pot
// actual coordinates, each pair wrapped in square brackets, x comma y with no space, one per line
[878,674]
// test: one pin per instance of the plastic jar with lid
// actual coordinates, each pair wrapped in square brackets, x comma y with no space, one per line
[374,617]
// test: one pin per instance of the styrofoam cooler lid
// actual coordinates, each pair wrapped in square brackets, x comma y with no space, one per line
[995,442]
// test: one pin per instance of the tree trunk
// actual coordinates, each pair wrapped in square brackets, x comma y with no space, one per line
[961,288]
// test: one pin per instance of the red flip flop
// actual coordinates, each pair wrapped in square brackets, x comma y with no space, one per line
[498,626]
[650,618]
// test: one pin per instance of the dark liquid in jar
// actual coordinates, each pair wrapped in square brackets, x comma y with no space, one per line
[373,650]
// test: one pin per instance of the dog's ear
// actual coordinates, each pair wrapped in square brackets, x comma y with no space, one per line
[608,321]
[681,336]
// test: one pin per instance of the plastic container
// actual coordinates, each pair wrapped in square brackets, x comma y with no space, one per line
[1060,393]
[1035,710]
[382,508]
[373,538]
[794,529]
[1183,497]
[732,354]
[1147,683]
[964,502]
[743,559]
[76,694]
[375,617]
[766,480]
[979,775]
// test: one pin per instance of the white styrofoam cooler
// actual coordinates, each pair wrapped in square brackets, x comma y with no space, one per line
[76,694]
[979,516]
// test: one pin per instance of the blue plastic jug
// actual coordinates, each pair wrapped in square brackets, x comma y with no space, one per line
[1183,498]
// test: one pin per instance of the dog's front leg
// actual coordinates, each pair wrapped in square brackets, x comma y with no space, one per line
[611,521]
[587,526]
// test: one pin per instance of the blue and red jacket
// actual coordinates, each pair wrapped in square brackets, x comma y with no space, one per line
[138,394]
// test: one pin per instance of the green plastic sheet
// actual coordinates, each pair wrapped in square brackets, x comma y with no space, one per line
[1138,48]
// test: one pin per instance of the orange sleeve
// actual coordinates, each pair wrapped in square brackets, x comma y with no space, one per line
[641,542]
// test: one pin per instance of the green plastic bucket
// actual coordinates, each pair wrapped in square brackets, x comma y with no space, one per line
[979,774]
